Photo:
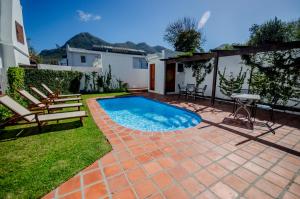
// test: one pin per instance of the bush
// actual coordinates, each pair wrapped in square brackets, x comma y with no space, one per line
[15,78]
[64,81]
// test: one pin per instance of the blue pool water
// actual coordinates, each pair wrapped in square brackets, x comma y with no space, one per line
[143,114]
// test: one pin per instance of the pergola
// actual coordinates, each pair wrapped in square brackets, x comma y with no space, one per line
[238,50]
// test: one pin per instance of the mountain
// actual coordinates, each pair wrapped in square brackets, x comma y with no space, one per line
[87,41]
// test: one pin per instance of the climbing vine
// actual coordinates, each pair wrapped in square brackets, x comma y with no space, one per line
[231,84]
[200,70]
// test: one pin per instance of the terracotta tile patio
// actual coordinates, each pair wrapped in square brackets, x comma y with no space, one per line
[219,158]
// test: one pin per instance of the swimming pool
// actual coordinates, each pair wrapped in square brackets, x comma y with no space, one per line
[144,114]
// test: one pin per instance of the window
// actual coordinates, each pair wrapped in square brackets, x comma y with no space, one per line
[20,33]
[140,63]
[180,68]
[82,59]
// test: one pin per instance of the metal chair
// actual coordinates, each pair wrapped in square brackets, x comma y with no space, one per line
[199,92]
[190,90]
[182,91]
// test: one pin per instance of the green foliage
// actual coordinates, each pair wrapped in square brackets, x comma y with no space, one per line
[231,84]
[64,81]
[87,79]
[276,75]
[103,82]
[184,36]
[33,164]
[200,70]
[107,79]
[94,76]
[100,82]
[15,77]
[274,31]
[4,113]
[185,54]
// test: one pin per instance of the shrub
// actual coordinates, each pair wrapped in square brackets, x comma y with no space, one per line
[15,78]
[64,81]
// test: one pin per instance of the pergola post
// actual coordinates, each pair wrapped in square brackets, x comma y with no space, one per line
[214,84]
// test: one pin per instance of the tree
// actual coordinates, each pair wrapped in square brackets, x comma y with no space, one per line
[33,55]
[184,36]
[276,74]
[274,31]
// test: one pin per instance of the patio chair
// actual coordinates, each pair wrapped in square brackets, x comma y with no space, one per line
[190,90]
[182,91]
[267,107]
[37,104]
[56,94]
[49,99]
[23,114]
[199,92]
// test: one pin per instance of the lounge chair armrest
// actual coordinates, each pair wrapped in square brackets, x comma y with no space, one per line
[15,118]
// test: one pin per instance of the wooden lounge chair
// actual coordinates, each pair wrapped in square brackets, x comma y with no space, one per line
[37,104]
[23,114]
[58,100]
[56,94]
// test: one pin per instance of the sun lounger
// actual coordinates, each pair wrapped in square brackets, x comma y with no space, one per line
[56,95]
[37,104]
[23,114]
[59,100]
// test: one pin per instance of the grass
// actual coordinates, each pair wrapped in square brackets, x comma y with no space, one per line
[33,163]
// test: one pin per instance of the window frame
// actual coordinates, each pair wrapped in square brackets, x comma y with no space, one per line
[83,57]
[181,65]
[140,63]
[20,33]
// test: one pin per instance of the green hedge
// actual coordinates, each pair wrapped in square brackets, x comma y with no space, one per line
[64,81]
[18,78]
[15,78]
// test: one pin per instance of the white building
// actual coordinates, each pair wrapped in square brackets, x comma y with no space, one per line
[13,44]
[128,65]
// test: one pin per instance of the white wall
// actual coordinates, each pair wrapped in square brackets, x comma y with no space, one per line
[159,86]
[122,68]
[233,65]
[74,58]
[160,70]
[12,52]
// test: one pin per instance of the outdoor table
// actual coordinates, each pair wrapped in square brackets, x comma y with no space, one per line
[244,100]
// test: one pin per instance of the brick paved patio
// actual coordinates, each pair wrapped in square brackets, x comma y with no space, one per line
[219,158]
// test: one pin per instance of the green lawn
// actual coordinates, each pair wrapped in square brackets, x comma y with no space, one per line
[33,163]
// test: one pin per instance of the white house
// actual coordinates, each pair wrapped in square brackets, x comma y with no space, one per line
[128,65]
[13,44]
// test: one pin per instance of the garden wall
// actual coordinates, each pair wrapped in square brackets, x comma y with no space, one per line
[233,65]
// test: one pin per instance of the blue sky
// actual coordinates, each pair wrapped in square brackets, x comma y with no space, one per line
[51,22]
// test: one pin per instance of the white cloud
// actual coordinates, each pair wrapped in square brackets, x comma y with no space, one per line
[85,16]
[203,19]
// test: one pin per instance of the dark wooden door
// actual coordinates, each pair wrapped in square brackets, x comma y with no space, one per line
[170,77]
[152,76]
